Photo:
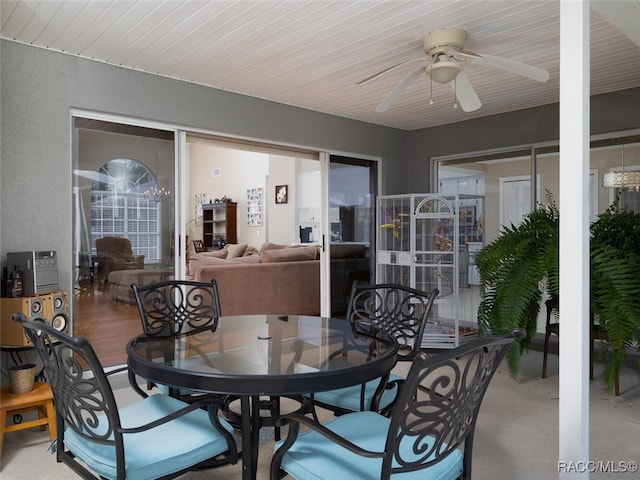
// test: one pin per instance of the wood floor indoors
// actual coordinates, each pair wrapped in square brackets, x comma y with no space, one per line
[107,324]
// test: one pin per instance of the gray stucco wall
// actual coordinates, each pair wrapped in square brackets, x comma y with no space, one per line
[611,112]
[39,87]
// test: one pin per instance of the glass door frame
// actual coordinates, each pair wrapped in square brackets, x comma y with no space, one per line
[327,159]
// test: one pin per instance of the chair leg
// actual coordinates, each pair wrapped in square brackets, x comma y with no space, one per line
[51,415]
[274,406]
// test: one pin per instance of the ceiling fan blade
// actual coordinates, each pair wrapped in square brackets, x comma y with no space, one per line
[465,93]
[395,93]
[386,70]
[622,15]
[512,66]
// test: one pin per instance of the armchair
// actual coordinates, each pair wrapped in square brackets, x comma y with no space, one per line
[115,253]
[156,437]
[429,434]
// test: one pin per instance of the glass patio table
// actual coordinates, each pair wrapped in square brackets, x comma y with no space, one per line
[263,355]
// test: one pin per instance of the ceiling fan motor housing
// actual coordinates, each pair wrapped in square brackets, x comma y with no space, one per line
[437,41]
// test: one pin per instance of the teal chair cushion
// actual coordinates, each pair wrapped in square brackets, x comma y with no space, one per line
[193,440]
[348,398]
[313,457]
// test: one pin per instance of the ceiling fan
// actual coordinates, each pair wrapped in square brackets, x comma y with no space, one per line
[446,59]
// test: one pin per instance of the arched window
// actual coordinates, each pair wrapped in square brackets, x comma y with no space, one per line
[119,207]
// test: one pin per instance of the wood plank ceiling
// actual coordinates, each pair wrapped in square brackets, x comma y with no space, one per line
[312,53]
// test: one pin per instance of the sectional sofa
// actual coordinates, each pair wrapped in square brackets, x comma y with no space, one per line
[279,279]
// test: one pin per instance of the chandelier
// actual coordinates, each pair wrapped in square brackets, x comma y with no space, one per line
[155,194]
[622,179]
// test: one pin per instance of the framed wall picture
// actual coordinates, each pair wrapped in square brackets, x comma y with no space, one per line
[282,194]
[254,207]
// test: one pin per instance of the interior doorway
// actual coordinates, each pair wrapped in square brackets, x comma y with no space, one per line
[276,189]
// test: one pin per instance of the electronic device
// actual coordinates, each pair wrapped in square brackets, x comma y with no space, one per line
[52,309]
[39,269]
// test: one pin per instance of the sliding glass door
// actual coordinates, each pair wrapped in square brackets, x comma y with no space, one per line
[123,226]
[353,186]
[125,213]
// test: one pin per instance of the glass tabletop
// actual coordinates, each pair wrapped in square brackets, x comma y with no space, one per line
[264,354]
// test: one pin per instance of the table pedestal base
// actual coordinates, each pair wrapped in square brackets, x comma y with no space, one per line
[250,422]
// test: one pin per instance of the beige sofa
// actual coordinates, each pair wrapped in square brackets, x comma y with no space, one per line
[273,280]
[280,279]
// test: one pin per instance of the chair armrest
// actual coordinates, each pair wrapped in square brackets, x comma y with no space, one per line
[295,419]
[211,402]
[139,260]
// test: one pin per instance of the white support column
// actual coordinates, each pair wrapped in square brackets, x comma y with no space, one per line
[574,240]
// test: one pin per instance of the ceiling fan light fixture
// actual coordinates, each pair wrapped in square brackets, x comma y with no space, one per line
[443,71]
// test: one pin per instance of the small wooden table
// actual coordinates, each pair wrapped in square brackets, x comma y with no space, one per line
[39,399]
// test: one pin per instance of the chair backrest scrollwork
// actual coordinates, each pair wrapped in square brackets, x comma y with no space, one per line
[177,306]
[396,310]
[439,402]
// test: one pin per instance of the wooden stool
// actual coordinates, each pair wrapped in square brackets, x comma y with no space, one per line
[39,399]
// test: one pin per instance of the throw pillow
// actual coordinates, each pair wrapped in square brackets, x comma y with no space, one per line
[271,246]
[296,254]
[250,251]
[215,253]
[236,250]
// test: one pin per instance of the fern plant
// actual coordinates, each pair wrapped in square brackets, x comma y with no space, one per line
[615,283]
[522,265]
[514,270]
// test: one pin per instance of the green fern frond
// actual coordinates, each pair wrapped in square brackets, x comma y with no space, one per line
[520,259]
